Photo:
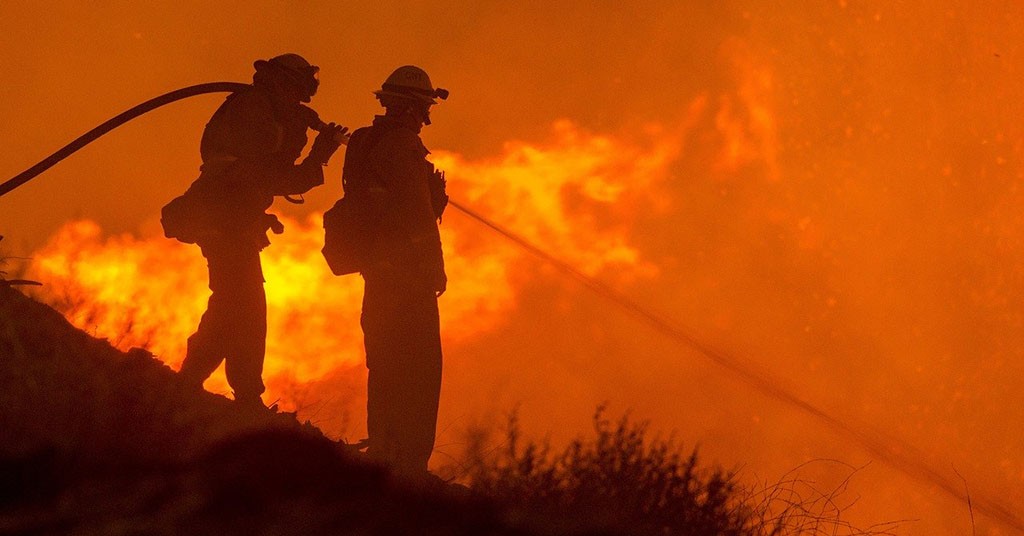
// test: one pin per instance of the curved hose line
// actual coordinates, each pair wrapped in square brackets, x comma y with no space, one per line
[111,124]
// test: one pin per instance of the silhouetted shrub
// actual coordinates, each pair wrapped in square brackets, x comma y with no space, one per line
[4,260]
[620,481]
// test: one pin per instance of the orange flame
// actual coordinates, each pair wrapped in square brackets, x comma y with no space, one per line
[575,196]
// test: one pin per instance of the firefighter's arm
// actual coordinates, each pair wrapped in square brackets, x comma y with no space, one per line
[251,128]
[292,179]
[406,174]
[440,277]
[438,191]
[328,141]
[299,179]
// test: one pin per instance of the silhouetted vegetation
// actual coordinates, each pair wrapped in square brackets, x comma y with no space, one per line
[620,481]
[3,262]
[616,481]
[3,274]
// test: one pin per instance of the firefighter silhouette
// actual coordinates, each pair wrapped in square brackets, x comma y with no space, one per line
[397,190]
[249,149]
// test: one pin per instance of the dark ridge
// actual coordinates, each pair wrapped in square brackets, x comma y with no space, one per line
[98,441]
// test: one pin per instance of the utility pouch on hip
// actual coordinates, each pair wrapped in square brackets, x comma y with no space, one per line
[183,219]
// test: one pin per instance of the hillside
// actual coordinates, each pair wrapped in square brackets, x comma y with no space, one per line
[99,441]
[96,441]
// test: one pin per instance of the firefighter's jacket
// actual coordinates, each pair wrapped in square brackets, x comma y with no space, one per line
[249,149]
[386,168]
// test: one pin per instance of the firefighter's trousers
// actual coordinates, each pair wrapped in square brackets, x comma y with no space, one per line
[234,326]
[403,354]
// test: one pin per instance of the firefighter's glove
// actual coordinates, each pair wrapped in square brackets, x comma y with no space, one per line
[273,224]
[326,143]
[440,279]
[438,195]
[440,284]
[309,116]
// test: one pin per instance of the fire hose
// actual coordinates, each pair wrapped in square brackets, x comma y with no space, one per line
[128,115]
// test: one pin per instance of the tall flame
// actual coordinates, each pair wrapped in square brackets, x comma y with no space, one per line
[575,195]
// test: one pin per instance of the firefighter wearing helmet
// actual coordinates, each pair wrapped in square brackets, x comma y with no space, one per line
[249,151]
[388,178]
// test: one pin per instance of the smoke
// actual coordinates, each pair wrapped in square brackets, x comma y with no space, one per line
[830,191]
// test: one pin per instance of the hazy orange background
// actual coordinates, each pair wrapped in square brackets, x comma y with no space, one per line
[832,191]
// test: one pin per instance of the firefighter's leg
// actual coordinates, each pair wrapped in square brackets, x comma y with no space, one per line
[382,419]
[245,340]
[404,360]
[244,363]
[204,354]
[206,346]
[380,348]
[404,400]
[421,381]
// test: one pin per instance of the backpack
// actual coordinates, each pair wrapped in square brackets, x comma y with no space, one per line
[345,243]
[188,217]
[349,224]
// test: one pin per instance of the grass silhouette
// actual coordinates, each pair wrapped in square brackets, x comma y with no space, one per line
[3,274]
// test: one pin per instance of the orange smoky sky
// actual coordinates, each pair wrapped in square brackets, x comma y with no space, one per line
[830,192]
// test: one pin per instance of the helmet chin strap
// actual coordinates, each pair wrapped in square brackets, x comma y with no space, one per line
[421,115]
[419,112]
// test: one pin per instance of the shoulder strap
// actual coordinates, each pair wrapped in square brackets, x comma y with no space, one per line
[357,157]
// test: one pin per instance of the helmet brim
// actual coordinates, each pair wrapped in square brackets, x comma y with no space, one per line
[312,70]
[409,96]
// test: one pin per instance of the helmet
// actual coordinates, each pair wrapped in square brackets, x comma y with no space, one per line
[411,82]
[294,68]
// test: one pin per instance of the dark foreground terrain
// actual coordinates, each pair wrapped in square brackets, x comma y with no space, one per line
[97,441]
